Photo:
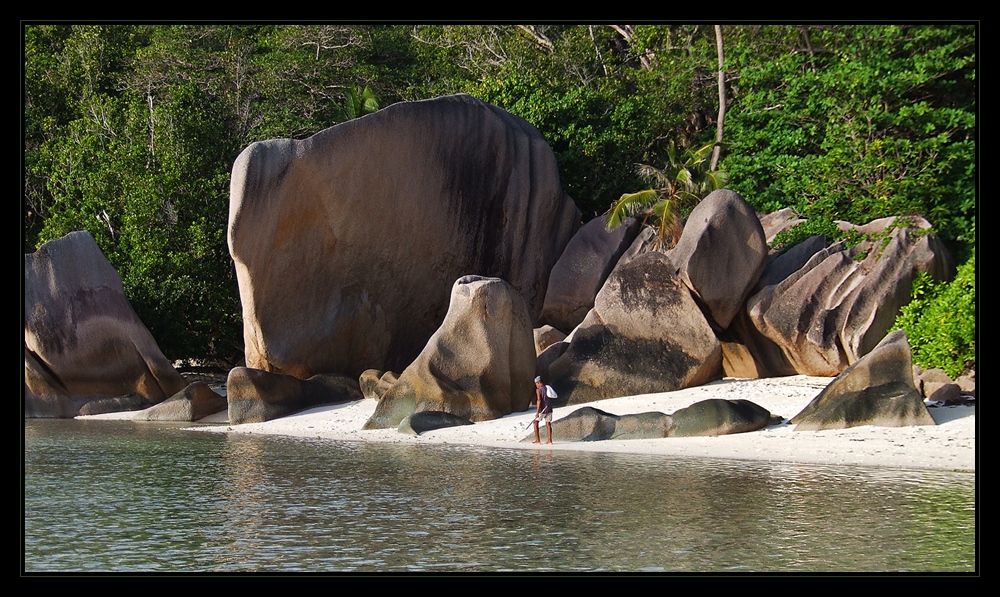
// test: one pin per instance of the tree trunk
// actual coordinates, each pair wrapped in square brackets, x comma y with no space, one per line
[722,101]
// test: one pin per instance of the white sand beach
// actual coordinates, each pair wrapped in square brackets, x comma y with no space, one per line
[950,445]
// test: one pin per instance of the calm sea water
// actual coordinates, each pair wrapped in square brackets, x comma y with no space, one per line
[117,496]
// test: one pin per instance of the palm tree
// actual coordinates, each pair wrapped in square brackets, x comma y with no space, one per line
[679,182]
[357,103]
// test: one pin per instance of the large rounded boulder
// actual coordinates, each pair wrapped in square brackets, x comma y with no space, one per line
[645,334]
[83,342]
[718,416]
[582,269]
[721,254]
[346,244]
[710,417]
[478,366]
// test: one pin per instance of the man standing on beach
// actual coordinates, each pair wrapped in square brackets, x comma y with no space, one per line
[543,409]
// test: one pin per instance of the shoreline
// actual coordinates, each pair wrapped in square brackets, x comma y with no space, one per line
[948,446]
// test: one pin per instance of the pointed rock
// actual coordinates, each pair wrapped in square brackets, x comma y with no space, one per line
[877,390]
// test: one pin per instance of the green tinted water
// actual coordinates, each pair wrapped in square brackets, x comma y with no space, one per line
[114,496]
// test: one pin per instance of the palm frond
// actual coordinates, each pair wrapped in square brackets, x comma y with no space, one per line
[699,155]
[686,178]
[714,180]
[668,224]
[630,204]
[664,208]
[652,174]
[680,181]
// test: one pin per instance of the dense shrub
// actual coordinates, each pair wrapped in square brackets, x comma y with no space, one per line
[814,227]
[940,321]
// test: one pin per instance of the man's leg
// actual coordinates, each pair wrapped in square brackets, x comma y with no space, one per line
[537,438]
[548,425]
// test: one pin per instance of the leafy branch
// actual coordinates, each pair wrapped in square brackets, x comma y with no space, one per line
[681,181]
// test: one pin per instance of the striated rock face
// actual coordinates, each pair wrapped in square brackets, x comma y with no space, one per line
[83,341]
[256,396]
[582,269]
[479,365]
[877,390]
[347,243]
[788,262]
[778,221]
[721,254]
[839,304]
[645,334]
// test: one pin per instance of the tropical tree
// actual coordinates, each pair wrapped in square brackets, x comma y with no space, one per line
[357,103]
[680,183]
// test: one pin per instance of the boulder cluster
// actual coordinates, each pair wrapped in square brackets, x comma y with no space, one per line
[714,416]
[85,350]
[427,257]
[347,243]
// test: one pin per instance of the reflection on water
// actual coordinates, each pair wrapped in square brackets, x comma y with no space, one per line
[124,496]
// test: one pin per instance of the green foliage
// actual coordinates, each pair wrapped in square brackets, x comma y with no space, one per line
[940,321]
[815,227]
[144,166]
[585,126]
[130,130]
[357,103]
[856,122]
[683,181]
[590,97]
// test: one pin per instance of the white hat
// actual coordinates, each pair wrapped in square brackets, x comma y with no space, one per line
[538,379]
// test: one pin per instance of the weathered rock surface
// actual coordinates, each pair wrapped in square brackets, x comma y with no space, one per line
[194,402]
[645,334]
[430,420]
[375,382]
[587,424]
[717,416]
[834,309]
[582,269]
[644,242]
[346,243]
[116,404]
[786,263]
[948,393]
[82,339]
[778,221]
[721,254]
[877,390]
[967,383]
[479,365]
[746,353]
[546,336]
[705,418]
[255,396]
[648,425]
[548,356]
